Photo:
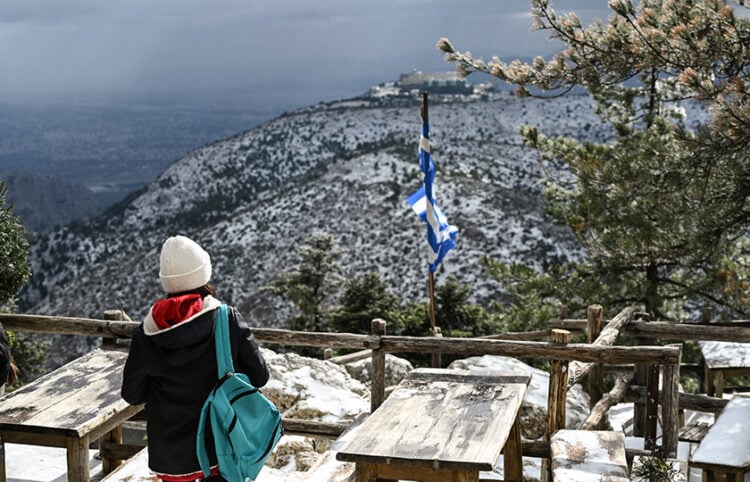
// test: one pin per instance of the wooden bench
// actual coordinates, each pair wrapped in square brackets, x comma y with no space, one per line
[724,453]
[588,455]
[70,407]
[441,426]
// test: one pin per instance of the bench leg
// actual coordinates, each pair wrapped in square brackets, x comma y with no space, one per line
[78,459]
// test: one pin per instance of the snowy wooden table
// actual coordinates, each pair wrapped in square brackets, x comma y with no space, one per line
[724,359]
[725,450]
[70,407]
[441,425]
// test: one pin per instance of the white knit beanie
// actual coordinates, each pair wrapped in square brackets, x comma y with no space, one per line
[183,265]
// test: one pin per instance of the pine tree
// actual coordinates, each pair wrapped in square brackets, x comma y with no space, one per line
[662,208]
[311,284]
[14,251]
[363,300]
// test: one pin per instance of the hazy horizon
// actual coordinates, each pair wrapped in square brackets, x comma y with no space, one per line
[272,54]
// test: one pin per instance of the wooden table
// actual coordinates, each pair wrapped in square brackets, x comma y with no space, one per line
[723,359]
[441,426]
[70,407]
[724,453]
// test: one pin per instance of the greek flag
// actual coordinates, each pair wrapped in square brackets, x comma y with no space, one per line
[440,235]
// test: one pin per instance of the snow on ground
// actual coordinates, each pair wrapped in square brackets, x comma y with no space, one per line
[27,463]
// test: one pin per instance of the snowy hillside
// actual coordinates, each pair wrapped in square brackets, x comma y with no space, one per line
[345,168]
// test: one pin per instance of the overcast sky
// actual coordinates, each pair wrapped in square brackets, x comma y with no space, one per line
[301,49]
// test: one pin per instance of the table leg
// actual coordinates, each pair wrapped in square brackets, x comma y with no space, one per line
[364,473]
[2,460]
[78,459]
[719,385]
[512,455]
[115,437]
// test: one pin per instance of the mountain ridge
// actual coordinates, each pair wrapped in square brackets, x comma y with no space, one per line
[342,167]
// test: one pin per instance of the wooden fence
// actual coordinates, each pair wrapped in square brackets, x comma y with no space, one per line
[569,361]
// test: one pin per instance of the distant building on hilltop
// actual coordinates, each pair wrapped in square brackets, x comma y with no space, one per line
[440,83]
[437,82]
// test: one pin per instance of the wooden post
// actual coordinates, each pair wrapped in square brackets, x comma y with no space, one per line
[327,353]
[595,320]
[377,390]
[558,386]
[640,376]
[652,403]
[670,407]
[437,359]
[556,396]
[113,315]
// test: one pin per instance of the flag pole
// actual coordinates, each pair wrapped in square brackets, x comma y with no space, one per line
[436,358]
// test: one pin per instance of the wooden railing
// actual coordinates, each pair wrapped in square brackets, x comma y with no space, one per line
[583,355]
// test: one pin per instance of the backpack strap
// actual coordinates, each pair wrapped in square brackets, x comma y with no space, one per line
[224,361]
[224,365]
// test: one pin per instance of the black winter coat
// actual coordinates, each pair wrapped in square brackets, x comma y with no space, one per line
[172,371]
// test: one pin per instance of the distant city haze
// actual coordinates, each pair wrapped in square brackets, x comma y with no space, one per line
[269,54]
[107,94]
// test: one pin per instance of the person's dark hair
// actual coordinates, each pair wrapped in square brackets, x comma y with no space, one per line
[205,290]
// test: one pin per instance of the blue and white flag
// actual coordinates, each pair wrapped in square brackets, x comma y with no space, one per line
[441,236]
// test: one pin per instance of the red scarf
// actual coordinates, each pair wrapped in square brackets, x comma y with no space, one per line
[171,311]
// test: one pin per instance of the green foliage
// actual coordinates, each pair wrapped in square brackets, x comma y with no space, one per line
[28,351]
[30,356]
[661,209]
[312,283]
[363,300]
[456,316]
[14,251]
[654,469]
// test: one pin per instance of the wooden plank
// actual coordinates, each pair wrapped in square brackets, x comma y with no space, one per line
[530,349]
[595,321]
[31,438]
[586,454]
[727,443]
[445,424]
[377,383]
[670,408]
[694,432]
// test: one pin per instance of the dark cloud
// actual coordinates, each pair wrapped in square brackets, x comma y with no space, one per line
[53,47]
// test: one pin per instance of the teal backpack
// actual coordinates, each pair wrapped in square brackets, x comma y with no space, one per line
[246,426]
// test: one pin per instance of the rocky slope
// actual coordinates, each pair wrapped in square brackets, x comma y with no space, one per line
[345,168]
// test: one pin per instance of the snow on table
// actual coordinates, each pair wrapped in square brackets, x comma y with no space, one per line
[727,443]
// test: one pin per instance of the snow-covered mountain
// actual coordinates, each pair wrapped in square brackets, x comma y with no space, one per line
[344,168]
